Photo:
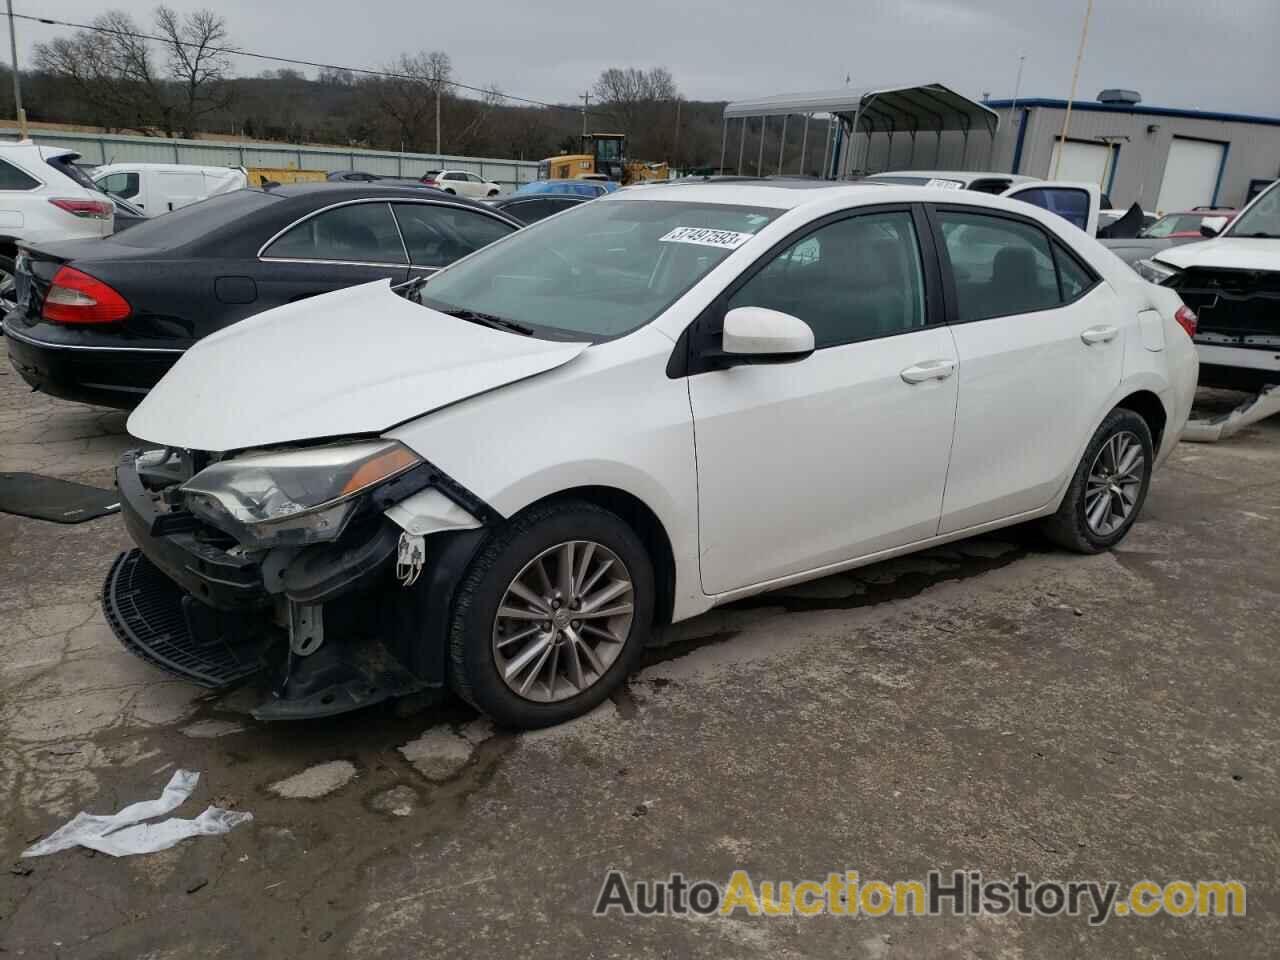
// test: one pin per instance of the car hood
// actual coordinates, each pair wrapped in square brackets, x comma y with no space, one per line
[1229,253]
[357,361]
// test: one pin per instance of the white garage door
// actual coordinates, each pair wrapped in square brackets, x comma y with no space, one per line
[1081,162]
[1190,175]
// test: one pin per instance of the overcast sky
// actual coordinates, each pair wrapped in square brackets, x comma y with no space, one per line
[1203,54]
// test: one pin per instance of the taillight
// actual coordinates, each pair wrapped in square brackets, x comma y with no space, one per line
[76,297]
[88,209]
[1187,319]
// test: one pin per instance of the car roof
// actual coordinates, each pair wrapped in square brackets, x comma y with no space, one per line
[203,167]
[965,176]
[780,194]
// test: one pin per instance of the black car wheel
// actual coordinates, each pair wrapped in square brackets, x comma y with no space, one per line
[1109,487]
[8,287]
[551,616]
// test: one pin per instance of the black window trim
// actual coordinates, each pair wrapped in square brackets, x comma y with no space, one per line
[457,206]
[408,261]
[698,342]
[29,175]
[948,271]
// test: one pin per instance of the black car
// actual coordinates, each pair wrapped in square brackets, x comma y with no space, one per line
[532,207]
[101,321]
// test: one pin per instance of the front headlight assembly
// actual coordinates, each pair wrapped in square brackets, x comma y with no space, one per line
[293,497]
[1155,271]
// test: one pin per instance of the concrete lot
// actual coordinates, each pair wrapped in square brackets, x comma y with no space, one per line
[996,706]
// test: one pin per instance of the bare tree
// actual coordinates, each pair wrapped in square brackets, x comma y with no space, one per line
[112,69]
[196,45]
[409,96]
[630,94]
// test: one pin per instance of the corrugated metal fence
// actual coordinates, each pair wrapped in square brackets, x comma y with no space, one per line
[112,148]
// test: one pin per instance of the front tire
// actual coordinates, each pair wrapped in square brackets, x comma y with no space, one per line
[1109,487]
[551,616]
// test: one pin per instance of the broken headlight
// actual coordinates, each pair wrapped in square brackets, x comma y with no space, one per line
[1155,271]
[293,497]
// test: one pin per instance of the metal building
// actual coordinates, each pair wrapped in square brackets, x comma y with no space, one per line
[1162,158]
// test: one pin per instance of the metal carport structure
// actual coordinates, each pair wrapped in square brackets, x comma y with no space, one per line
[911,110]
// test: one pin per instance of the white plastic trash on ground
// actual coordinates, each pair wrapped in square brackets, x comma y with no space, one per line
[125,833]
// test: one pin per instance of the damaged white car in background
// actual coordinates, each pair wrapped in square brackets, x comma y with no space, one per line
[1232,282]
[502,480]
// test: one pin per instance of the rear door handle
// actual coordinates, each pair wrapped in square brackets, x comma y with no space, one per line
[1101,334]
[929,370]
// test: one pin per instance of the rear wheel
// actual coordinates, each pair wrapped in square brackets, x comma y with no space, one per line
[1109,487]
[451,190]
[551,616]
[493,193]
[8,288]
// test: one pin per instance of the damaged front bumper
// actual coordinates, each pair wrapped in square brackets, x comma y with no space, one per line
[322,629]
[1238,332]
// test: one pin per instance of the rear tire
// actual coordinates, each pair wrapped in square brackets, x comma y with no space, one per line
[497,662]
[493,193]
[450,190]
[1109,487]
[8,293]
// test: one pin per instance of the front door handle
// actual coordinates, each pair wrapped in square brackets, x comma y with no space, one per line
[929,370]
[1101,334]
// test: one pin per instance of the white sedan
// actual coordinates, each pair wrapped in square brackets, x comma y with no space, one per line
[505,478]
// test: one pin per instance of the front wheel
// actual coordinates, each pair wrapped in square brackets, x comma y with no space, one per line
[551,616]
[451,191]
[1109,487]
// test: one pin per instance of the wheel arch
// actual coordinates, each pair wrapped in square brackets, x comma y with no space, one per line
[645,522]
[1149,407]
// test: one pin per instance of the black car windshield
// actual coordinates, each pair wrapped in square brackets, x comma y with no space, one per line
[192,222]
[1261,219]
[599,271]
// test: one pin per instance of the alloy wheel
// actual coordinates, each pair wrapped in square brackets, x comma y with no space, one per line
[1115,480]
[563,621]
[8,292]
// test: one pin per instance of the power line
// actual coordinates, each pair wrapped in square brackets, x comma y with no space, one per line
[233,51]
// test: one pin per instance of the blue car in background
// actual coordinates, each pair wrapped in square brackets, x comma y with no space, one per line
[577,188]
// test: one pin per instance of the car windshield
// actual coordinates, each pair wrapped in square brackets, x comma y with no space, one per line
[600,270]
[1262,219]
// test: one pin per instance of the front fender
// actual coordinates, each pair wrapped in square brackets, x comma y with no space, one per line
[611,419]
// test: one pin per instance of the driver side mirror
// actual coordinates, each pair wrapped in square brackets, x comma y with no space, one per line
[1212,226]
[759,335]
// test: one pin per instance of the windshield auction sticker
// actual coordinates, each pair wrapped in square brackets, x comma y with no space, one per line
[707,237]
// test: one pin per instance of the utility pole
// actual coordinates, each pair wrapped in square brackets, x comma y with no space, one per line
[675,150]
[438,85]
[586,99]
[1075,77]
[17,84]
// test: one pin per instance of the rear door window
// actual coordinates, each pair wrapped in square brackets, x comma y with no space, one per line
[1000,266]
[11,178]
[356,233]
[438,234]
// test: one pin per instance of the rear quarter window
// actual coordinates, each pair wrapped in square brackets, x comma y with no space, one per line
[11,178]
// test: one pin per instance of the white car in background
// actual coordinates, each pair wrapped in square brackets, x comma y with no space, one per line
[156,188]
[1232,282]
[503,478]
[44,197]
[464,184]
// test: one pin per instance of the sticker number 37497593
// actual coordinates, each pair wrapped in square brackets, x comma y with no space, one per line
[707,237]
